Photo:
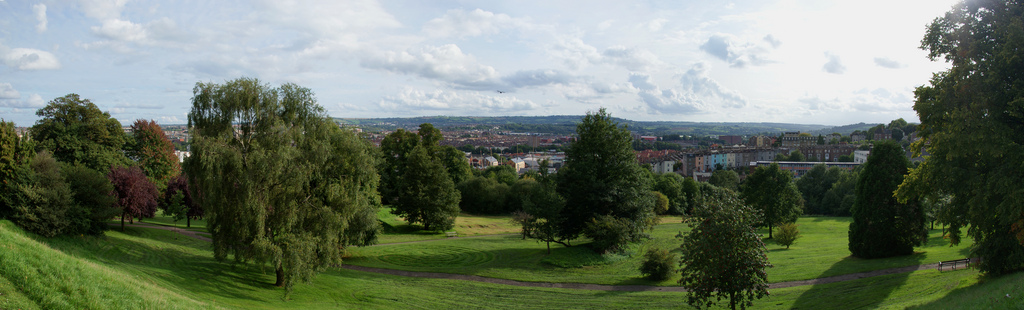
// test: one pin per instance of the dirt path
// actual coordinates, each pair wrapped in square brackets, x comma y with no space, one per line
[578,286]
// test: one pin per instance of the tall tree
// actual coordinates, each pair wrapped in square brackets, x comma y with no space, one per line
[395,147]
[972,116]
[771,191]
[150,147]
[428,196]
[601,178]
[723,256]
[409,188]
[671,185]
[76,131]
[14,154]
[542,204]
[883,226]
[280,183]
[135,194]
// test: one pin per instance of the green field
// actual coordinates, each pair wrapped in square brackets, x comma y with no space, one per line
[150,268]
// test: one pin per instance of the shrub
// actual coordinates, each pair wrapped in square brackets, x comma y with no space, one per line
[658,264]
[660,203]
[786,234]
[610,234]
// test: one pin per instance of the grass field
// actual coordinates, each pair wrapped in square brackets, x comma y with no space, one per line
[149,268]
[821,252]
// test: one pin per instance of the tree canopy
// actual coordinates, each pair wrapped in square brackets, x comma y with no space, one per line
[420,177]
[136,195]
[154,153]
[883,226]
[74,130]
[723,256]
[601,179]
[726,179]
[771,191]
[279,181]
[972,117]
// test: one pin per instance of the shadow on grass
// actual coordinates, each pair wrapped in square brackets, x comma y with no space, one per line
[184,270]
[865,293]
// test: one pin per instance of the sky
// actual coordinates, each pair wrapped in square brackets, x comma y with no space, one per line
[806,62]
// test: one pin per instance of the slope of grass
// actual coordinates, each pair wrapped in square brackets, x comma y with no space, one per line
[48,278]
[155,269]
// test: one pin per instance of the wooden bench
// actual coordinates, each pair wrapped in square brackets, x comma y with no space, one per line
[451,234]
[952,264]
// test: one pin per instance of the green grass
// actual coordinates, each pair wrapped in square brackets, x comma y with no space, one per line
[167,220]
[150,268]
[42,277]
[396,229]
[821,252]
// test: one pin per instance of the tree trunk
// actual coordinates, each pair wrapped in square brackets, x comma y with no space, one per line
[122,222]
[549,247]
[732,300]
[280,275]
[188,222]
[769,230]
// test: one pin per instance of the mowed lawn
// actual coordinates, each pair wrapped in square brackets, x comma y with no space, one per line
[820,252]
[145,268]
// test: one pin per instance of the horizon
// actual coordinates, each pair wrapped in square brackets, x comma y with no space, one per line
[784,61]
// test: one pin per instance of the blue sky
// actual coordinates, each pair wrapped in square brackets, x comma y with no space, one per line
[811,62]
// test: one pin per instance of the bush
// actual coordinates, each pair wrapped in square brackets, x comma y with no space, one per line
[660,203]
[658,264]
[786,234]
[610,234]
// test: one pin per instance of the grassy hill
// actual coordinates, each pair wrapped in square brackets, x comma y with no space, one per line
[146,268]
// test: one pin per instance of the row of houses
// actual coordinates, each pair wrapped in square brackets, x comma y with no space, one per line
[705,161]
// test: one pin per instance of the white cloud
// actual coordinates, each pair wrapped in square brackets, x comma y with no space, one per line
[881,100]
[121,30]
[818,104]
[34,101]
[103,9]
[461,24]
[529,78]
[885,62]
[834,65]
[739,55]
[574,53]
[656,24]
[467,103]
[8,92]
[696,93]
[444,63]
[633,59]
[30,59]
[40,11]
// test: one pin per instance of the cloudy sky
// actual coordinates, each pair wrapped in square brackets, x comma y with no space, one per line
[811,62]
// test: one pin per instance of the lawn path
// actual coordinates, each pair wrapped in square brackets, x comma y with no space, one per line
[578,286]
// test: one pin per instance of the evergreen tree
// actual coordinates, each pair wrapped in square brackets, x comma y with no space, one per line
[882,226]
[428,196]
[602,180]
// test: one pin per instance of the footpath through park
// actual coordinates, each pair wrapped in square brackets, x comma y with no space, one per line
[578,286]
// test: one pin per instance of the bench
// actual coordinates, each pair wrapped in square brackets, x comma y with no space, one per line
[952,264]
[451,234]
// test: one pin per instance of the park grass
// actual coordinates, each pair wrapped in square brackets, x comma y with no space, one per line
[43,277]
[396,229]
[160,269]
[167,220]
[821,252]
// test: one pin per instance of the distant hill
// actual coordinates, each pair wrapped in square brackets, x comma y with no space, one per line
[845,130]
[566,124]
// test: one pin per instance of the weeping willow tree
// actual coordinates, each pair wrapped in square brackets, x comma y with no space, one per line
[280,183]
